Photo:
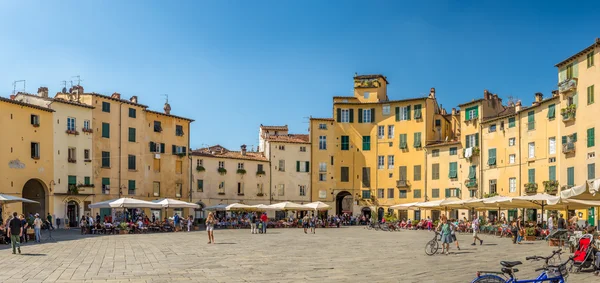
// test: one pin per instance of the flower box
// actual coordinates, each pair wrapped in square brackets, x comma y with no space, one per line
[241,171]
[258,173]
[200,168]
[36,125]
[72,132]
[551,187]
[531,188]
[86,130]
[222,171]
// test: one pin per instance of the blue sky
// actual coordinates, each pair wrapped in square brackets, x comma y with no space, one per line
[232,65]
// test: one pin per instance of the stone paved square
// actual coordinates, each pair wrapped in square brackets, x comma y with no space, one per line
[347,254]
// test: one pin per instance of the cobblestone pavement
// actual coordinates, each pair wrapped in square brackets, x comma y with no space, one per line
[282,255]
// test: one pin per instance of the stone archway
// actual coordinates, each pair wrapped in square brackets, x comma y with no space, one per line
[343,202]
[35,190]
[73,215]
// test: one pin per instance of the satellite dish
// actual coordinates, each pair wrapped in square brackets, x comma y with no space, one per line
[64,90]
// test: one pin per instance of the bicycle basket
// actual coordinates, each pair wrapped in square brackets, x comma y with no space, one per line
[557,272]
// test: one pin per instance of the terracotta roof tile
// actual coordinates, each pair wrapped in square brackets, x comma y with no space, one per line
[8,100]
[322,119]
[61,100]
[215,151]
[375,76]
[274,128]
[298,138]
[168,115]
[436,144]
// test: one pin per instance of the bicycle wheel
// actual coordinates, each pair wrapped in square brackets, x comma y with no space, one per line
[369,227]
[431,247]
[489,278]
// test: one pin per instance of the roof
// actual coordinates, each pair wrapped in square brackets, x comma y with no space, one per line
[470,102]
[375,76]
[274,128]
[210,152]
[584,51]
[168,115]
[507,112]
[116,99]
[297,138]
[345,97]
[61,100]
[8,100]
[443,143]
[382,102]
[322,119]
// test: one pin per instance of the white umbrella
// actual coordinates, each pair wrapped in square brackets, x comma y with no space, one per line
[443,203]
[11,199]
[173,203]
[406,206]
[261,207]
[317,205]
[288,205]
[125,203]
[237,206]
[218,207]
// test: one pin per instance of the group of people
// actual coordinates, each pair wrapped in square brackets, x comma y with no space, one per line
[448,231]
[14,230]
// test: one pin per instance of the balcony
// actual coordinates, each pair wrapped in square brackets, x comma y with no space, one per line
[401,183]
[471,183]
[568,85]
[568,113]
[550,187]
[531,188]
[568,147]
[474,152]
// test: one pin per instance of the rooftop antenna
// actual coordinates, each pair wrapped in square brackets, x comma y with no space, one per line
[64,89]
[79,80]
[15,86]
[167,96]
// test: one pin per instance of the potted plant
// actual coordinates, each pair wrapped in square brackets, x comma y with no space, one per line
[222,171]
[73,189]
[531,188]
[551,187]
[181,154]
[261,172]
[529,234]
[123,228]
[490,195]
[200,168]
[241,171]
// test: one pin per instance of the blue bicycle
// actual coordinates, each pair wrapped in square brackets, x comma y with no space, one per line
[550,273]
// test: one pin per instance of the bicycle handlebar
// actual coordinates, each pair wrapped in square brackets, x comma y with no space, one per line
[535,257]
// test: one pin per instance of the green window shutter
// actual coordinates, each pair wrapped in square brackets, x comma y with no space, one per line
[86,180]
[591,171]
[564,139]
[417,141]
[174,149]
[351,116]
[373,115]
[571,176]
[492,156]
[418,111]
[590,137]
[397,114]
[105,130]
[162,148]
[360,115]
[72,180]
[472,172]
[403,141]
[367,143]
[511,122]
[531,175]
[297,166]
[467,141]
[106,181]
[476,111]
[339,115]
[307,166]
[448,193]
[552,173]
[531,120]
[574,137]
[131,186]
[477,139]
[408,112]
[132,134]
[551,111]
[200,185]
[453,172]
[152,146]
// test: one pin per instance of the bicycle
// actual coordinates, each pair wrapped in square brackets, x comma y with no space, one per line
[550,273]
[433,245]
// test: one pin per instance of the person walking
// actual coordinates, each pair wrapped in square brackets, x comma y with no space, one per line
[25,225]
[454,227]
[49,218]
[305,221]
[313,224]
[562,224]
[210,227]
[475,227]
[176,222]
[37,227]
[15,232]
[189,223]
[521,230]
[515,231]
[253,224]
[446,228]
[264,220]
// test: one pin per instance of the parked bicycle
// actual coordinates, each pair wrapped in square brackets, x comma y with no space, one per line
[433,245]
[550,273]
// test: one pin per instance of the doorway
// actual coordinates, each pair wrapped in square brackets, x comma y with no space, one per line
[380,212]
[366,212]
[34,190]
[343,203]
[73,213]
[592,216]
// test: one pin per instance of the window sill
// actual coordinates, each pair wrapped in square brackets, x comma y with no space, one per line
[221,194]
[157,195]
[200,191]
[132,170]
[240,194]
[104,167]
[35,158]
[87,160]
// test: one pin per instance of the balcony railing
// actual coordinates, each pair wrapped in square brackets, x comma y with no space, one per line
[401,183]
[568,113]
[471,183]
[568,147]
[567,85]
[531,188]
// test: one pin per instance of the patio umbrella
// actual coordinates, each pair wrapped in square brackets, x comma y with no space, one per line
[125,203]
[173,203]
[11,199]
[582,192]
[237,206]
[218,207]
[406,206]
[288,205]
[260,207]
[317,205]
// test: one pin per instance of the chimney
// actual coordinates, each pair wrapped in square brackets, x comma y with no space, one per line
[116,95]
[133,99]
[43,92]
[12,97]
[518,106]
[432,93]
[243,149]
[554,93]
[538,97]
[486,94]
[453,111]
[167,108]
[222,150]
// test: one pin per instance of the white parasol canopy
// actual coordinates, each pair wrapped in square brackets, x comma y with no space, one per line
[173,203]
[288,205]
[405,206]
[261,207]
[317,205]
[11,199]
[578,192]
[218,207]
[237,206]
[125,203]
[438,204]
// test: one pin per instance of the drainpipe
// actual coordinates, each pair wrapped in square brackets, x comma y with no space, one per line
[425,176]
[190,161]
[271,177]
[120,147]
[480,133]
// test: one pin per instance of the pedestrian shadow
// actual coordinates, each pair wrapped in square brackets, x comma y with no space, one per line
[459,253]
[28,254]
[225,243]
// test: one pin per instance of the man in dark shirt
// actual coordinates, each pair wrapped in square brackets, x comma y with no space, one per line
[561,223]
[15,231]
[97,217]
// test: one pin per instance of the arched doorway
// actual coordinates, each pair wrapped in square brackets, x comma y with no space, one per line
[73,213]
[343,203]
[34,190]
[380,214]
[366,212]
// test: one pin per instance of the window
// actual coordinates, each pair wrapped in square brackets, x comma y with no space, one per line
[512,158]
[417,143]
[240,188]
[511,122]
[105,130]
[391,162]
[345,174]
[571,177]
[435,171]
[417,194]
[402,193]
[105,159]
[552,145]
[302,189]
[512,185]
[72,181]
[221,164]
[131,187]
[531,120]
[492,128]
[281,191]
[390,193]
[472,140]
[281,147]
[322,177]
[322,142]
[380,162]
[345,142]
[156,189]
[303,149]
[438,122]
[331,160]
[551,159]
[386,110]
[221,188]
[531,150]
[35,120]
[322,126]
[105,185]
[366,143]
[131,134]
[70,124]
[366,177]
[452,170]
[86,124]
[380,193]
[493,188]
[366,194]
[435,193]
[132,113]
[417,173]
[418,111]
[473,193]
[178,190]
[403,141]
[345,115]
[402,173]
[590,59]
[591,140]
[157,126]
[472,113]
[178,130]
[259,168]
[435,152]
[390,131]
[453,151]
[452,192]
[491,156]
[552,173]
[511,141]
[473,172]
[551,111]
[72,155]
[322,166]
[403,113]
[302,166]
[569,71]
[106,107]
[86,180]
[380,132]
[131,162]
[86,154]
[366,95]
[178,166]
[591,171]
[531,175]
[367,116]
[200,185]
[240,166]
[282,165]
